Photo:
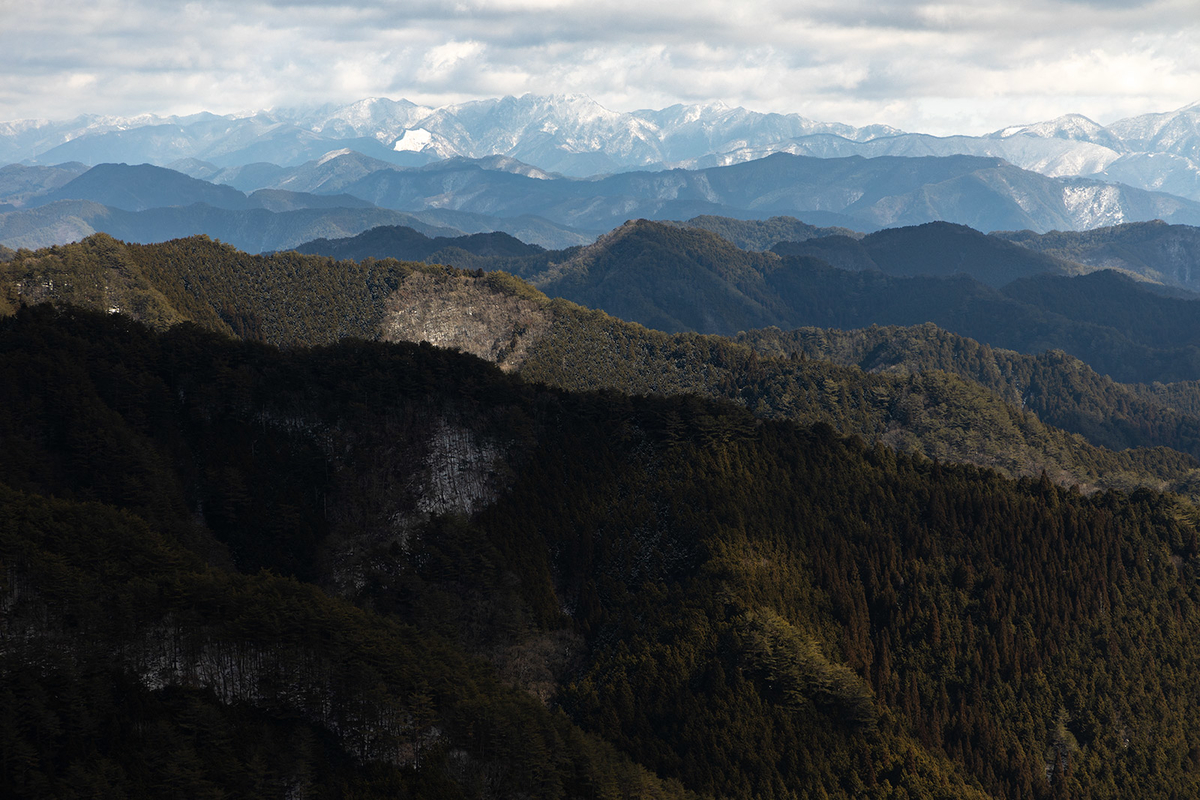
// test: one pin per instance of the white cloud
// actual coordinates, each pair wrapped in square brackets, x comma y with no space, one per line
[445,62]
[942,67]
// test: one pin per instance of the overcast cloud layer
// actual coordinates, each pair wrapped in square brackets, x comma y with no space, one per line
[961,66]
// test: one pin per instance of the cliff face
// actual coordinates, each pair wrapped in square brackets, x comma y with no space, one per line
[462,313]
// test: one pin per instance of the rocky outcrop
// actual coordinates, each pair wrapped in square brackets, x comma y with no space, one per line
[474,315]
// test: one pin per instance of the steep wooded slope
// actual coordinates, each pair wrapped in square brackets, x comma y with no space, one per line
[750,608]
[131,668]
[1062,390]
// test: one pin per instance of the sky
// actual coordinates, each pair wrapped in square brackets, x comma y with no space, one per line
[961,66]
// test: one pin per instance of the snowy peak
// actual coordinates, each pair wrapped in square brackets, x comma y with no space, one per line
[573,135]
[570,134]
[563,133]
[1072,127]
[376,117]
[1176,132]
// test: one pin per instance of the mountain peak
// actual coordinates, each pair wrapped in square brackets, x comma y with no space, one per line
[1072,127]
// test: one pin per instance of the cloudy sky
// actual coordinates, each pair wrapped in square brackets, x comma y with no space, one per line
[959,66]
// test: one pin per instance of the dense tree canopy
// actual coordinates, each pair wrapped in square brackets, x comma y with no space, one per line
[228,566]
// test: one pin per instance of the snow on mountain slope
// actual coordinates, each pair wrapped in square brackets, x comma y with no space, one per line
[1052,157]
[1073,127]
[1094,206]
[1176,132]
[377,117]
[689,133]
[533,128]
[571,134]
[1159,172]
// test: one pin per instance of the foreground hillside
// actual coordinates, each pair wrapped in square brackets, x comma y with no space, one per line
[704,602]
[134,668]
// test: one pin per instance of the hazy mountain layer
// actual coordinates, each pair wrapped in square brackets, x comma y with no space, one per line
[121,187]
[255,230]
[986,194]
[1167,254]
[574,135]
[18,183]
[558,212]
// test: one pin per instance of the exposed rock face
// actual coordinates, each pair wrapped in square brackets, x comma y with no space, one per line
[467,314]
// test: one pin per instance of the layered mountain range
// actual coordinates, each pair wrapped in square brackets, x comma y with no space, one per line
[574,135]
[264,207]
[559,171]
[454,483]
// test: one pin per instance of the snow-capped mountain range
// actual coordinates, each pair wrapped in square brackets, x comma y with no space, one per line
[573,135]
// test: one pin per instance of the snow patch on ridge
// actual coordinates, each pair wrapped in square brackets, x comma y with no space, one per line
[332,154]
[1094,206]
[415,140]
[460,472]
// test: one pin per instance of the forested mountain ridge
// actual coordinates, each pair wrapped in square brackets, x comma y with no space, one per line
[957,405]
[292,300]
[761,234]
[773,611]
[1168,254]
[405,244]
[1154,252]
[1062,390]
[676,278]
[935,249]
[122,645]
